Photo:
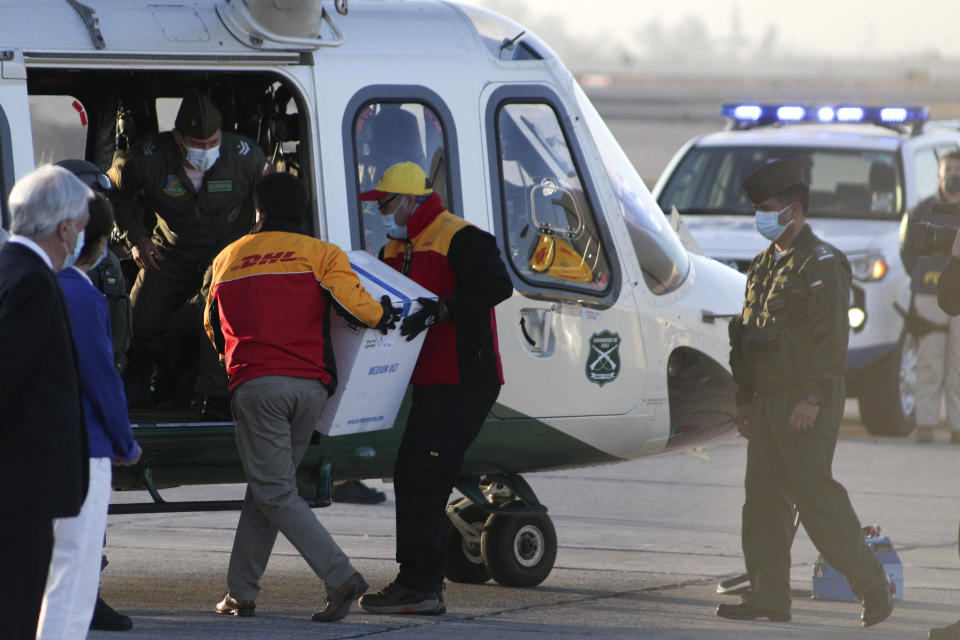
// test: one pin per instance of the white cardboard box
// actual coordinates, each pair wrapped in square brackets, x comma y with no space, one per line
[373,370]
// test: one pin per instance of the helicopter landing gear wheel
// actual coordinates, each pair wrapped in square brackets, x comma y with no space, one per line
[463,560]
[519,550]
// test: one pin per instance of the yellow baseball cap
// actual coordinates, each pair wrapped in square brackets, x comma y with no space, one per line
[404,177]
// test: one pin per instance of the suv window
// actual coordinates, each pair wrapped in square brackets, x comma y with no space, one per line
[552,236]
[926,167]
[385,133]
[844,183]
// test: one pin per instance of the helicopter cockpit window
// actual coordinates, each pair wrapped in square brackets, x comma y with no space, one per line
[663,260]
[551,229]
[386,133]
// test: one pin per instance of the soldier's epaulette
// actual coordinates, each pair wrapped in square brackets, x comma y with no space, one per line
[823,251]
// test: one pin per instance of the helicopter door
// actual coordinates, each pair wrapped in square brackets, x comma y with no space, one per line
[14,128]
[570,343]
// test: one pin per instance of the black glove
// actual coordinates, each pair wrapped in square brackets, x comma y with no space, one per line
[431,313]
[390,315]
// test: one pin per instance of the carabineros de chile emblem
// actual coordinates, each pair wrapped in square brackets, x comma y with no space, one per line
[603,361]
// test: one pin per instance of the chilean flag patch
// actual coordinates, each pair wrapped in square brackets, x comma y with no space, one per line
[816,285]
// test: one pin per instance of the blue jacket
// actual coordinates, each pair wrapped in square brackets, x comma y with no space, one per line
[104,401]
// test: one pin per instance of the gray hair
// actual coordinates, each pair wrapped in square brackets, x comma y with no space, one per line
[45,197]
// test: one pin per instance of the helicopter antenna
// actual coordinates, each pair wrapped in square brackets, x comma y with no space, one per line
[509,42]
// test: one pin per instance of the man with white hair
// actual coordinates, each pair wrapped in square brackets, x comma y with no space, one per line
[43,440]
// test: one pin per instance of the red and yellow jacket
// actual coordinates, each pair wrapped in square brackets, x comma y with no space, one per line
[461,264]
[269,305]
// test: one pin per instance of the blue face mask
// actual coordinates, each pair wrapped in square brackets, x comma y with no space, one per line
[768,223]
[392,228]
[100,258]
[203,159]
[73,255]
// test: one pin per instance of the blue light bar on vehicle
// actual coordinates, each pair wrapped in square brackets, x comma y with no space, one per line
[747,112]
[894,114]
[753,114]
[850,114]
[791,113]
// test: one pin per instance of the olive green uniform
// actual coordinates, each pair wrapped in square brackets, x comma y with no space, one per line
[789,342]
[191,228]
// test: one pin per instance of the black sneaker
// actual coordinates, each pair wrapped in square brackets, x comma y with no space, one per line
[396,598]
[106,619]
[356,492]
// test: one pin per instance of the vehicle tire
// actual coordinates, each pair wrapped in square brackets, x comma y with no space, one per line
[888,402]
[463,561]
[519,550]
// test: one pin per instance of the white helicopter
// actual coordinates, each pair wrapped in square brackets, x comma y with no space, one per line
[614,343]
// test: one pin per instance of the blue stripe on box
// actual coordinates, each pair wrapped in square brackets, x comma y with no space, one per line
[383,285]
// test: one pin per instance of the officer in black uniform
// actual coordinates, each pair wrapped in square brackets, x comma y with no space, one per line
[196,181]
[788,352]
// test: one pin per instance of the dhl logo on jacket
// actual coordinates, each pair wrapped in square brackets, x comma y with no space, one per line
[256,259]
[268,308]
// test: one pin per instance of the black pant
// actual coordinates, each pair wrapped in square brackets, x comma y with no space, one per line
[176,293]
[28,545]
[444,420]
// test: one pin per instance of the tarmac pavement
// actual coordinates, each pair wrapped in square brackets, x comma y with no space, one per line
[642,545]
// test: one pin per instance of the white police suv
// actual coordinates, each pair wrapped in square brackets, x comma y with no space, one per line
[866,167]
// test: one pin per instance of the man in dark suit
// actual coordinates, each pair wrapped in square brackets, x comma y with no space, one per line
[43,441]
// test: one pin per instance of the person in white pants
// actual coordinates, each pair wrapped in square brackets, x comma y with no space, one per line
[938,369]
[74,575]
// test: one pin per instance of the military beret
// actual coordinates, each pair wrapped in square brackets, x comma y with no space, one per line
[772,179]
[198,117]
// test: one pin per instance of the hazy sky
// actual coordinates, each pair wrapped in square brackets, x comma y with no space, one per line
[861,28]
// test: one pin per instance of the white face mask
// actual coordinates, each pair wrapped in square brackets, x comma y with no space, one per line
[73,255]
[391,227]
[202,159]
[768,223]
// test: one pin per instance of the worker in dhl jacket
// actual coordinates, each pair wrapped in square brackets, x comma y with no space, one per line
[268,313]
[457,377]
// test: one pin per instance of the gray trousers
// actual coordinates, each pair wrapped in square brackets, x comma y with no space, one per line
[275,417]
